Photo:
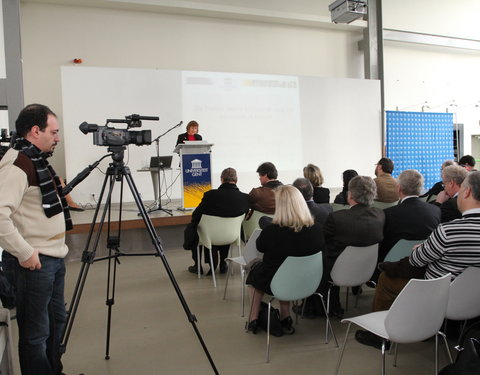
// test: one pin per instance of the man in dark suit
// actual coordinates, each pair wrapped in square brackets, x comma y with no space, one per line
[361,225]
[452,178]
[226,201]
[412,219]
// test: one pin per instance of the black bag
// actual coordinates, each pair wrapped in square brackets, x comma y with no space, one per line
[275,325]
[190,237]
[468,359]
[7,293]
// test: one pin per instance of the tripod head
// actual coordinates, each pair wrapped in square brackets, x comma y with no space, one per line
[117,153]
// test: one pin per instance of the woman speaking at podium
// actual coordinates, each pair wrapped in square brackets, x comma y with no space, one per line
[191,134]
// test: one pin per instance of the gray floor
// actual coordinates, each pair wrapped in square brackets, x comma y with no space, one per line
[151,333]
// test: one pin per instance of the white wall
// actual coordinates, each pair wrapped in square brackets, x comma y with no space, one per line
[118,38]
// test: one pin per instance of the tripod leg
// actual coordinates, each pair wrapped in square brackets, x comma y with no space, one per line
[110,301]
[159,248]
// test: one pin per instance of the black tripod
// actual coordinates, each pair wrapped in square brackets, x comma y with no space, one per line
[116,172]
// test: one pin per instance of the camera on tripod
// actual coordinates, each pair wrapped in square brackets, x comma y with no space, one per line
[110,136]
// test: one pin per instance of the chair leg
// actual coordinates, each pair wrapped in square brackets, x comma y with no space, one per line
[250,312]
[226,284]
[446,346]
[268,330]
[327,323]
[346,300]
[436,353]
[242,274]
[383,356]
[395,352]
[199,261]
[213,269]
[328,313]
[461,332]
[343,348]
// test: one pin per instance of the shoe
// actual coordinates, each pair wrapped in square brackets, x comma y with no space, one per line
[209,273]
[371,284]
[79,209]
[287,326]
[357,290]
[252,326]
[223,267]
[194,269]
[371,339]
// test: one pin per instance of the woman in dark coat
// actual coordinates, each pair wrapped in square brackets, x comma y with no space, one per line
[292,233]
[313,174]
[341,197]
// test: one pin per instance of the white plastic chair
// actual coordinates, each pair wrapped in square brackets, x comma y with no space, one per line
[464,298]
[353,267]
[384,205]
[250,225]
[401,249]
[297,278]
[415,315]
[249,253]
[216,230]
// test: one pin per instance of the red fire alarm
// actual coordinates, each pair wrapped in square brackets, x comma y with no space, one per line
[77,61]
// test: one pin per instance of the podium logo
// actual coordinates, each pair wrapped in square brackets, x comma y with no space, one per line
[196,169]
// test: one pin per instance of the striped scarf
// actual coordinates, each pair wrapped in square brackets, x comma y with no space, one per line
[49,183]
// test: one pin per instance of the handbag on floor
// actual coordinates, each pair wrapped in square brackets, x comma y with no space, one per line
[275,325]
[468,359]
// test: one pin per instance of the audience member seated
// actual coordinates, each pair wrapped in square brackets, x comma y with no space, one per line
[347,175]
[314,175]
[262,198]
[412,219]
[226,201]
[292,233]
[467,162]
[387,190]
[318,211]
[451,248]
[437,187]
[362,225]
[452,178]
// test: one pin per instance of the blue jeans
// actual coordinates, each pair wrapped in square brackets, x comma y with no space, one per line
[41,313]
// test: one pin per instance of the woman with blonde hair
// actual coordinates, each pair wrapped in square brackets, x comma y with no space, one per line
[292,233]
[313,174]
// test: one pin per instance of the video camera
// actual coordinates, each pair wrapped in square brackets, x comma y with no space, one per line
[110,136]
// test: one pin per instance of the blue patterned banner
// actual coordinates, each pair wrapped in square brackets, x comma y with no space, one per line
[421,141]
[197,178]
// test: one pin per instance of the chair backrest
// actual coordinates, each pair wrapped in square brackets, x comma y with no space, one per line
[401,249]
[355,265]
[464,297]
[297,277]
[419,310]
[338,206]
[250,225]
[216,230]
[250,251]
[384,205]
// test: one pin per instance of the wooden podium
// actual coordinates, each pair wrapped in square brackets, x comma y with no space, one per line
[195,164]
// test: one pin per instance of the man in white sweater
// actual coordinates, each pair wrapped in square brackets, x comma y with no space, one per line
[33,220]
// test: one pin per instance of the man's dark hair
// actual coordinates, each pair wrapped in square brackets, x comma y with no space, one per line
[387,165]
[229,175]
[31,115]
[473,182]
[305,187]
[467,159]
[268,169]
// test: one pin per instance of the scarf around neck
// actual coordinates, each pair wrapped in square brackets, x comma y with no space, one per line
[49,183]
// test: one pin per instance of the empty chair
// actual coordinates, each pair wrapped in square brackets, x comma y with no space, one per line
[297,278]
[249,253]
[215,230]
[464,297]
[384,205]
[353,267]
[401,249]
[416,315]
[250,225]
[338,206]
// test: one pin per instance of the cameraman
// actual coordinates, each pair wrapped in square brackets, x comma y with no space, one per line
[33,219]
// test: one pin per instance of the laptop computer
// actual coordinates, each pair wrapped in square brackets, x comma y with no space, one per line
[161,162]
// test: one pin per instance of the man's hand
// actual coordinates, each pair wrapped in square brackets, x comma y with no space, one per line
[442,197]
[32,263]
